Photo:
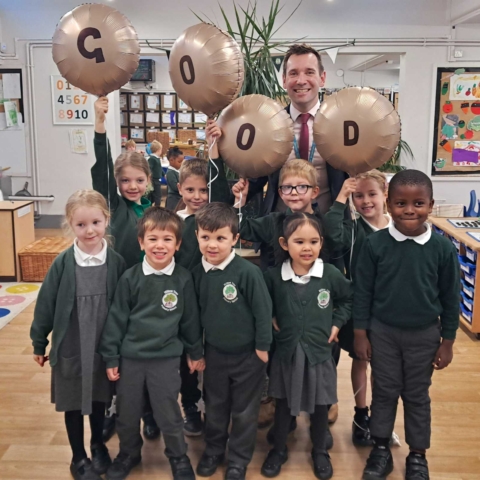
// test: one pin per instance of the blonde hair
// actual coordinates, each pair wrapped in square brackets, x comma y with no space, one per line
[155,146]
[377,176]
[84,198]
[131,159]
[193,167]
[130,143]
[299,168]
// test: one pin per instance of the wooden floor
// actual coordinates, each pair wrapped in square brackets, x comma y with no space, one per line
[33,442]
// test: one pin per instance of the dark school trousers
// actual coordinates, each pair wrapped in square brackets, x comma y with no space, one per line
[162,378]
[402,367]
[157,192]
[233,386]
[189,389]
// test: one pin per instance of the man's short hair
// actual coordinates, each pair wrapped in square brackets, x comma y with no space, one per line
[302,49]
[414,178]
[216,215]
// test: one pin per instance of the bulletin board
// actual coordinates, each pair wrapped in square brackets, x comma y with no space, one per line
[456,133]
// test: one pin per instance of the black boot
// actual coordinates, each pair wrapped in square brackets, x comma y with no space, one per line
[208,464]
[83,470]
[322,466]
[329,439]
[182,468]
[361,428]
[417,467]
[235,472]
[379,463]
[273,463]
[192,423]
[100,458]
[121,466]
[108,428]
[150,427]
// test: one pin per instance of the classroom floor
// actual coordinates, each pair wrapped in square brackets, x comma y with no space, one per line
[34,445]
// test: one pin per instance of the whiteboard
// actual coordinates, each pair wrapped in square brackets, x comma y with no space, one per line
[13,152]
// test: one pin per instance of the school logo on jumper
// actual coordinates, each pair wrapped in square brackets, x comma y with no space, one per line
[230,292]
[169,300]
[323,298]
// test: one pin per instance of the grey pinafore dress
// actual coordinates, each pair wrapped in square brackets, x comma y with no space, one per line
[79,377]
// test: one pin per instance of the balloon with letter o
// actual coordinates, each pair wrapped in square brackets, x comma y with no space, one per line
[257,136]
[206,68]
[96,48]
[356,129]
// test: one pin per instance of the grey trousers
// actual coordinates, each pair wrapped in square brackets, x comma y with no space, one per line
[402,367]
[233,389]
[162,379]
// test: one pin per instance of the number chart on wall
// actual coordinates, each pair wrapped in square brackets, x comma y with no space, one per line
[456,147]
[70,105]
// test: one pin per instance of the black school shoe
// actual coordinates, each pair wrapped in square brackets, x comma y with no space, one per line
[192,423]
[100,458]
[235,472]
[108,428]
[328,439]
[121,466]
[271,433]
[150,427]
[182,468]
[379,464]
[417,467]
[83,470]
[208,464]
[273,463]
[361,428]
[322,466]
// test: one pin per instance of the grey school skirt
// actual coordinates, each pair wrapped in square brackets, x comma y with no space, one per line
[302,384]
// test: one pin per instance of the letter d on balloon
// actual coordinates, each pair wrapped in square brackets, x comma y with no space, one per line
[347,141]
[97,54]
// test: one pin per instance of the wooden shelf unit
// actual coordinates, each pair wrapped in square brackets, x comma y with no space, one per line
[464,240]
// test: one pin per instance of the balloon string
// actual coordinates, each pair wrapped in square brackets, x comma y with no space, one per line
[211,180]
[108,166]
[240,214]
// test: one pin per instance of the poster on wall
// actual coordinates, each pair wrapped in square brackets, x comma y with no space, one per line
[70,105]
[456,138]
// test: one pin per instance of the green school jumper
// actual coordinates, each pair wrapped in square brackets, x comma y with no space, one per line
[125,214]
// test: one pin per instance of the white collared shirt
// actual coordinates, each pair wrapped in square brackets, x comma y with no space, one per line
[86,259]
[183,214]
[173,168]
[376,229]
[289,274]
[420,239]
[149,270]
[207,266]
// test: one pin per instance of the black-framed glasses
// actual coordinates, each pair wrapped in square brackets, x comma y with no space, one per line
[300,189]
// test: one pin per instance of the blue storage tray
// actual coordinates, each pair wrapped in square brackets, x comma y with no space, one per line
[438,230]
[466,266]
[468,302]
[469,279]
[471,254]
[468,290]
[466,314]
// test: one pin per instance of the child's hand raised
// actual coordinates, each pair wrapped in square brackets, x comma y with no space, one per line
[240,189]
[349,187]
[263,356]
[112,374]
[101,108]
[444,356]
[40,359]
[212,131]
[334,334]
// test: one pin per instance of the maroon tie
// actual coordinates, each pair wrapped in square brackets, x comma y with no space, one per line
[304,142]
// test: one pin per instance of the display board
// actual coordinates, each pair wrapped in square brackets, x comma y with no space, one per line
[70,105]
[456,136]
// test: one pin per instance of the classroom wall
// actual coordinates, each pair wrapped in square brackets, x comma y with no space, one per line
[62,172]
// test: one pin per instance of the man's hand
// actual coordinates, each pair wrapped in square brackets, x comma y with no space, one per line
[112,374]
[362,346]
[40,359]
[349,187]
[263,356]
[443,357]
[240,189]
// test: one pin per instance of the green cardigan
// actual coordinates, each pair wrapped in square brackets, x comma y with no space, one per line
[125,215]
[56,299]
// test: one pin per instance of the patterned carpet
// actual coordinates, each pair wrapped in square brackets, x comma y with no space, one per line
[15,297]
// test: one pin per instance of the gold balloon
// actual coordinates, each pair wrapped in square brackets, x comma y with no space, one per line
[257,136]
[96,48]
[356,130]
[206,68]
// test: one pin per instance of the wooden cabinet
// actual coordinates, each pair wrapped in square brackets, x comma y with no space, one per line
[16,231]
[468,250]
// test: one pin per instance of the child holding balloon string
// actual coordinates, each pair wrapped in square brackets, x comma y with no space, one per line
[368,192]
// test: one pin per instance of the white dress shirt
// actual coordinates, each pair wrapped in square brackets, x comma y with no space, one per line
[86,259]
[376,229]
[207,266]
[149,270]
[420,239]
[183,214]
[289,274]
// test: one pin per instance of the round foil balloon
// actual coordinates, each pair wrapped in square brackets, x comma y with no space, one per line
[96,48]
[206,68]
[356,130]
[257,136]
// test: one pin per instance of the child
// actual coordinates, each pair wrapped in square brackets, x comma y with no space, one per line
[130,175]
[235,311]
[311,302]
[407,295]
[153,316]
[175,158]
[156,171]
[130,146]
[72,305]
[369,191]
